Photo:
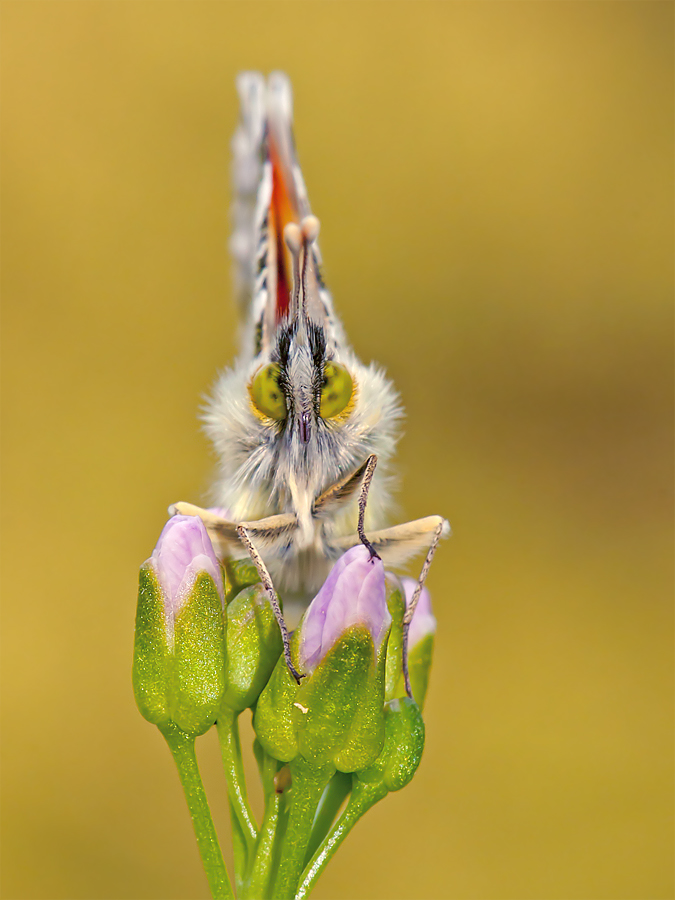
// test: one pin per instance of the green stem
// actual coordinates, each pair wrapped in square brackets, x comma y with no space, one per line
[182,747]
[230,749]
[239,852]
[258,884]
[361,800]
[278,847]
[308,784]
[329,806]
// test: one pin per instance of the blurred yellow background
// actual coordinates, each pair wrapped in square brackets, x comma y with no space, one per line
[495,186]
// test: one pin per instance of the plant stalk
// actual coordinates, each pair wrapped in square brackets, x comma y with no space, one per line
[182,748]
[362,798]
[230,749]
[308,784]
[261,871]
[329,806]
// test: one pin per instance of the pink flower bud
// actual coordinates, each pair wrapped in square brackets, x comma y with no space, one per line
[179,651]
[353,594]
[183,551]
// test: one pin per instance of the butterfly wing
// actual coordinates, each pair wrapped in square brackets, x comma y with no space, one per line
[270,193]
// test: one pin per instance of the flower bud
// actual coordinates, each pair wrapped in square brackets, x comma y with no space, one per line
[420,642]
[179,648]
[336,714]
[253,646]
[394,665]
[239,573]
[353,594]
[402,751]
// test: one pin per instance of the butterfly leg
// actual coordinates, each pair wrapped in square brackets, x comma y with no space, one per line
[410,611]
[371,462]
[266,580]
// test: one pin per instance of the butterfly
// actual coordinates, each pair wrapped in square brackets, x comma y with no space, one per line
[303,430]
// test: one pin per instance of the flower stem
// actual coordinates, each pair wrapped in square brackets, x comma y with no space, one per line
[278,846]
[308,784]
[258,884]
[238,851]
[230,749]
[363,797]
[329,806]
[182,747]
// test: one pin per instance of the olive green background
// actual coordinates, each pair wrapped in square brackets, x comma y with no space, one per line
[495,186]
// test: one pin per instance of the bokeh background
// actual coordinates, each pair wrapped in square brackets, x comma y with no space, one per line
[495,185]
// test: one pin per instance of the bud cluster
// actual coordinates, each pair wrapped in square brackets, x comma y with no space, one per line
[208,646]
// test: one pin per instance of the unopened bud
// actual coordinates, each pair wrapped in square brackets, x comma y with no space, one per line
[421,636]
[336,714]
[179,648]
[402,751]
[253,646]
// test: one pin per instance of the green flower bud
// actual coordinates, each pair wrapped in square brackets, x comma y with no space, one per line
[420,641]
[335,716]
[402,751]
[179,652]
[239,573]
[253,646]
[394,664]
[419,668]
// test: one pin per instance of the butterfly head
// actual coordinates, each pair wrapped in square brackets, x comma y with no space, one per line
[303,385]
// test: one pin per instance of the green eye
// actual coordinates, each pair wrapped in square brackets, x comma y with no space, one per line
[267,396]
[336,391]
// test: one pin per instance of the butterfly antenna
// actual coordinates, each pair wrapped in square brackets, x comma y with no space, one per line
[293,238]
[309,228]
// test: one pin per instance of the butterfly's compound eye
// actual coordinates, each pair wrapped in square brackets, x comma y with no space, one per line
[337,390]
[267,396]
